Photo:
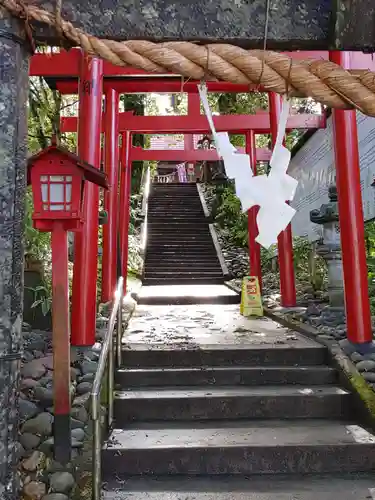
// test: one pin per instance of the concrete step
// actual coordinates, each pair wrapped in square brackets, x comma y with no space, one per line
[176,244]
[186,223]
[167,256]
[240,402]
[332,487]
[189,300]
[192,272]
[168,235]
[183,281]
[264,447]
[174,240]
[172,234]
[180,262]
[165,262]
[247,375]
[173,271]
[170,356]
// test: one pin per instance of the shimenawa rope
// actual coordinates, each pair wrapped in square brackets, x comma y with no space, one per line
[324,81]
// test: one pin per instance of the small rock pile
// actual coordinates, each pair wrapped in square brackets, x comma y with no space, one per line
[365,364]
[41,478]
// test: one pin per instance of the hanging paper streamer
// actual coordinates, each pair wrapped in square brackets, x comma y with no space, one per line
[267,191]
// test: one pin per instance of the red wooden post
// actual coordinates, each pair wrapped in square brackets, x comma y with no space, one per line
[86,241]
[254,247]
[284,241]
[193,109]
[345,140]
[61,342]
[111,147]
[125,192]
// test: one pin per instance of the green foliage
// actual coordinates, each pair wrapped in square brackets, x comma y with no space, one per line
[37,244]
[227,213]
[42,298]
[370,251]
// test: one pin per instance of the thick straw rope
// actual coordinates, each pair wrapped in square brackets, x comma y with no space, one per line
[324,81]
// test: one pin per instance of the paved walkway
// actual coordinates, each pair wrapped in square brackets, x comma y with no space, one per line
[199,326]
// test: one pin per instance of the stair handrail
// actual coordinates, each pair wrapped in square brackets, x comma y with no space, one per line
[146,194]
[106,366]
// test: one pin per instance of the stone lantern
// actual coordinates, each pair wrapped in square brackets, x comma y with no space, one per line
[330,248]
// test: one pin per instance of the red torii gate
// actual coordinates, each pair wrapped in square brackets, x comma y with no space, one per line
[194,122]
[72,72]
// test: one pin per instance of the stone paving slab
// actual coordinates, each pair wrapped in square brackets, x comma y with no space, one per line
[350,487]
[207,325]
[245,433]
[186,290]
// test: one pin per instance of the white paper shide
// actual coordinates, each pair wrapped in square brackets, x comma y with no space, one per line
[270,191]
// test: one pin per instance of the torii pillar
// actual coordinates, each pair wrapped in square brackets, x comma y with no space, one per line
[284,241]
[348,182]
[124,209]
[111,152]
[254,247]
[86,240]
[193,109]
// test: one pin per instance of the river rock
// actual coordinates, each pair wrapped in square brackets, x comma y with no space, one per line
[369,376]
[28,383]
[76,424]
[29,441]
[356,357]
[27,409]
[84,387]
[82,400]
[34,369]
[19,450]
[366,366]
[35,490]
[55,496]
[78,434]
[74,373]
[89,367]
[34,461]
[42,424]
[47,361]
[36,344]
[44,395]
[89,377]
[61,482]
[79,413]
[27,356]
[347,346]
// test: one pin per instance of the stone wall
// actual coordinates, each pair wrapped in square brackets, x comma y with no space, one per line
[39,476]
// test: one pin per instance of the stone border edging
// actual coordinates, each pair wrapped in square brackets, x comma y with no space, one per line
[206,212]
[219,253]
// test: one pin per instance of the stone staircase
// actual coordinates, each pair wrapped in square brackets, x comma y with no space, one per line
[244,422]
[180,249]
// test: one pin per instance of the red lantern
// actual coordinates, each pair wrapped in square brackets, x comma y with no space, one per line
[58,182]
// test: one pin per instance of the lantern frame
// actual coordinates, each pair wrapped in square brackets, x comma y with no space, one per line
[59,168]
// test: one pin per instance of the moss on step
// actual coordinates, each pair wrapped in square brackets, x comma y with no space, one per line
[364,390]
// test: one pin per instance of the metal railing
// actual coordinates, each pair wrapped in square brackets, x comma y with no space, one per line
[146,194]
[165,179]
[105,370]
